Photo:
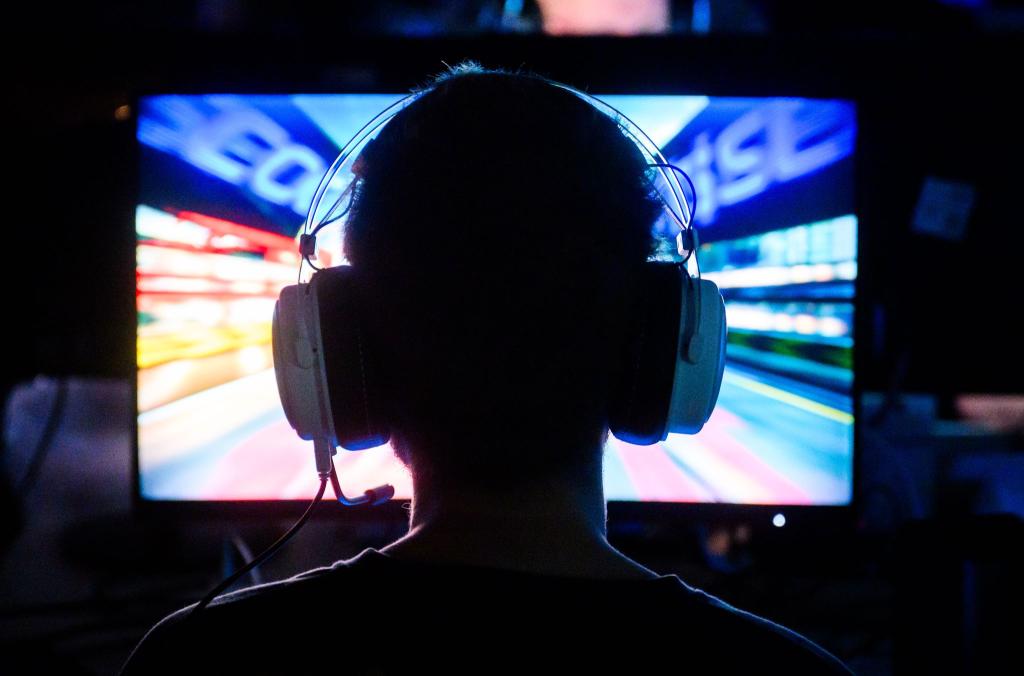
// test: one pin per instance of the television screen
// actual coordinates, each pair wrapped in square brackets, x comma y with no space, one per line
[225,183]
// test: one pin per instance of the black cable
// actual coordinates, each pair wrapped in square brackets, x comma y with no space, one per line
[323,224]
[45,442]
[693,190]
[311,264]
[267,553]
[328,219]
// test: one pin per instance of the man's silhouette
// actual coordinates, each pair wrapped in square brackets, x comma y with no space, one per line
[499,225]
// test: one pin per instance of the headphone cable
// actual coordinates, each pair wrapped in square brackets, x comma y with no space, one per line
[267,553]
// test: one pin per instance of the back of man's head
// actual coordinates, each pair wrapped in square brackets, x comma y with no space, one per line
[500,224]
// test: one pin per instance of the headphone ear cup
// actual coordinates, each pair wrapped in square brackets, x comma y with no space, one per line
[640,405]
[352,379]
[295,364]
[701,359]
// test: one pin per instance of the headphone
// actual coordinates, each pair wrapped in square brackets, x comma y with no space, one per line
[329,381]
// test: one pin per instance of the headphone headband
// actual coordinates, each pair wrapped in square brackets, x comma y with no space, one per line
[670,188]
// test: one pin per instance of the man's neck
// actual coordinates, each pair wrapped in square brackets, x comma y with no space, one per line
[553,527]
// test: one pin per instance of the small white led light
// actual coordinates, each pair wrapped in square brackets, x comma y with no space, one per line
[779,520]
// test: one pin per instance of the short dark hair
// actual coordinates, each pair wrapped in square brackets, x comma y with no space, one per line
[500,223]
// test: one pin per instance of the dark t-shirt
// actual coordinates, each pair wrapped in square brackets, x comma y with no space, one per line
[377,614]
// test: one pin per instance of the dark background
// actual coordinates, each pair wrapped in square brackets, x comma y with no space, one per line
[919,576]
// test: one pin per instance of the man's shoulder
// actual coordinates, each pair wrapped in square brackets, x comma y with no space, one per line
[249,617]
[371,600]
[758,640]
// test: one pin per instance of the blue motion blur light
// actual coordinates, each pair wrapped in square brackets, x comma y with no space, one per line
[226,181]
[779,520]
